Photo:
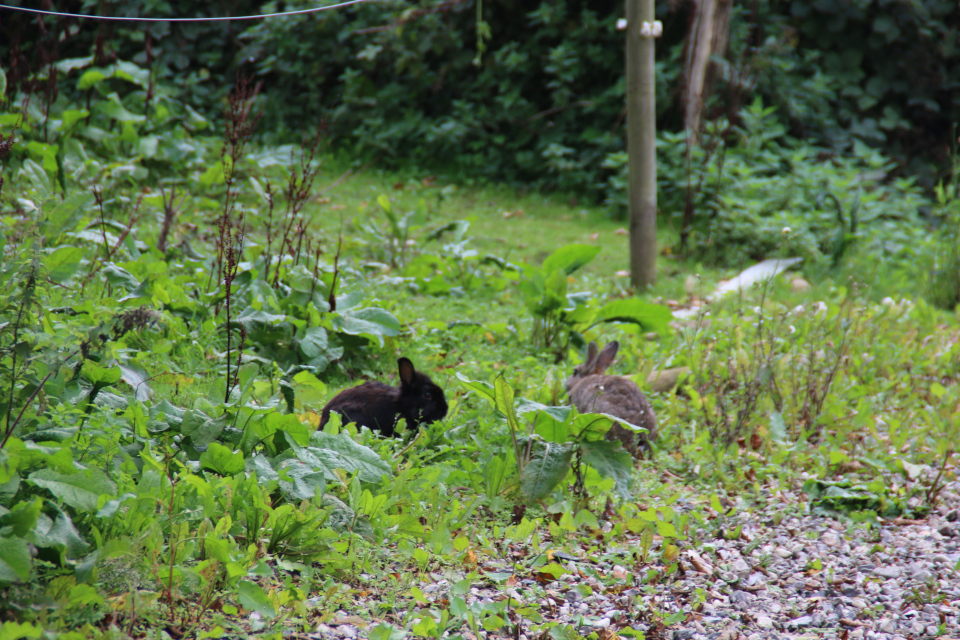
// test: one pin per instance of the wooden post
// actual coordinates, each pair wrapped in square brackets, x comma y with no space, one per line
[641,143]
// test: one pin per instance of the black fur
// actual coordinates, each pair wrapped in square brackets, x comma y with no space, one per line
[379,406]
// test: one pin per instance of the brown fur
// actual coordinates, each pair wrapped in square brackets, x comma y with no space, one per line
[593,392]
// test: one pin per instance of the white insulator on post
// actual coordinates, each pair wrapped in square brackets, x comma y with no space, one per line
[651,29]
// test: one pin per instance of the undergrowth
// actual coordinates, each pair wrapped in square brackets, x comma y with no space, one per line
[173,324]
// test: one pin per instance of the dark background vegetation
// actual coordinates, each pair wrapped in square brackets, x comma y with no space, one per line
[543,104]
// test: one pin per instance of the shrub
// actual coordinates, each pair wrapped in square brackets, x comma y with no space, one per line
[760,180]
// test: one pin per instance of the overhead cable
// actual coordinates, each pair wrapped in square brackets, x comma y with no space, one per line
[209,19]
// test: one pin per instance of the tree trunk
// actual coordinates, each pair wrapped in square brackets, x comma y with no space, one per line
[641,140]
[709,33]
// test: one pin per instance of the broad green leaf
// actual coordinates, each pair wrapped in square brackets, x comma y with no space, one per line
[23,517]
[482,388]
[113,108]
[9,479]
[222,460]
[215,174]
[342,518]
[119,277]
[195,121]
[503,400]
[137,379]
[555,569]
[548,464]
[54,434]
[301,480]
[36,175]
[63,262]
[372,322]
[172,414]
[569,258]
[259,464]
[201,428]
[315,346]
[131,73]
[493,623]
[384,631]
[648,316]
[525,406]
[550,429]
[252,597]
[246,375]
[80,490]
[148,146]
[216,548]
[100,376]
[15,562]
[111,507]
[594,426]
[260,190]
[71,117]
[249,318]
[554,291]
[778,428]
[47,153]
[310,389]
[57,219]
[91,77]
[666,529]
[610,461]
[59,534]
[341,452]
[69,64]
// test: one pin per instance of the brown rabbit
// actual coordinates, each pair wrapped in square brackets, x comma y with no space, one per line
[592,392]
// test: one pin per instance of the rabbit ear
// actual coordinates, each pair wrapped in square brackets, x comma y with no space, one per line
[591,356]
[607,355]
[407,372]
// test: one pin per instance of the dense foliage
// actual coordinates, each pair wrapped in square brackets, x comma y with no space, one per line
[532,94]
[535,92]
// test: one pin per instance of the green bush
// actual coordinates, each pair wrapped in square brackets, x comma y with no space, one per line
[761,181]
[943,285]
[544,103]
[404,81]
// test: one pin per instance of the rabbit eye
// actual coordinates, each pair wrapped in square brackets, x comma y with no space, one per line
[426,394]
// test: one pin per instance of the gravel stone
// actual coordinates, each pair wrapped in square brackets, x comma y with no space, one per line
[758,587]
[887,572]
[764,622]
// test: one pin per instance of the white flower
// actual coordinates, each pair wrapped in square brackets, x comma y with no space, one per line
[785,231]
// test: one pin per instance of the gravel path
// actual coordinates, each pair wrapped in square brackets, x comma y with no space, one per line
[806,576]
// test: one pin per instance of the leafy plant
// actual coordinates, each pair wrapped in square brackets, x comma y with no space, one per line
[943,287]
[556,441]
[559,315]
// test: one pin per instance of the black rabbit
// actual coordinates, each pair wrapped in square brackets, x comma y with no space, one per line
[378,406]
